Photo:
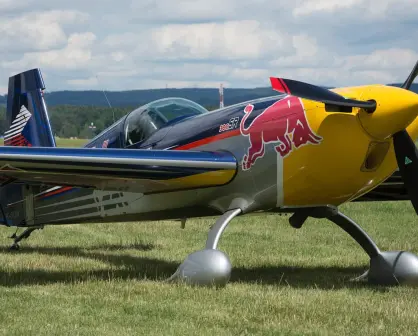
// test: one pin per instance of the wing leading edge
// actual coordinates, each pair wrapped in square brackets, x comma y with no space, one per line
[129,170]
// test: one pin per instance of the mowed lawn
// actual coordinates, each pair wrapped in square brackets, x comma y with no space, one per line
[108,279]
[63,142]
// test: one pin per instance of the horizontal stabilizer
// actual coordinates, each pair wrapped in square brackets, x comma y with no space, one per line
[129,170]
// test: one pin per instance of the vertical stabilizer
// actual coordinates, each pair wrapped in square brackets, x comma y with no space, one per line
[27,116]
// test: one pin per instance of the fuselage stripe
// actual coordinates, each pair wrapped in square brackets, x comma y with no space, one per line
[55,192]
[205,141]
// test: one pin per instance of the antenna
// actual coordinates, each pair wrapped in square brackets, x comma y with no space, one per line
[92,126]
[221,96]
[108,102]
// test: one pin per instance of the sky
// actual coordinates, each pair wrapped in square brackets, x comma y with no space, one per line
[142,44]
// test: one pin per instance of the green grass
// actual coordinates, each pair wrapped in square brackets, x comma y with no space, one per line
[64,142]
[70,142]
[109,279]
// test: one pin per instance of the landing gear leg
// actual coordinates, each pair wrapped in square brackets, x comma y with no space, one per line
[24,235]
[386,268]
[29,207]
[208,267]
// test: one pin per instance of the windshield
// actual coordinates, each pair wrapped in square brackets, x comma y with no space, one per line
[147,119]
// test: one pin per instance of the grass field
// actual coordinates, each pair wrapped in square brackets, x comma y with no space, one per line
[64,142]
[70,142]
[109,279]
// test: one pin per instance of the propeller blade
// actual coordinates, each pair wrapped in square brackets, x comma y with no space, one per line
[407,158]
[411,77]
[317,93]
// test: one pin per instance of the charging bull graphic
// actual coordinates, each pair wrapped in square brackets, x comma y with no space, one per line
[275,125]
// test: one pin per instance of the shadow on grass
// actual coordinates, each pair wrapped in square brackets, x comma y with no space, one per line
[77,250]
[123,267]
[322,277]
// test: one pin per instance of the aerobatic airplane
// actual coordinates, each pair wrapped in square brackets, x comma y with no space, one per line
[304,151]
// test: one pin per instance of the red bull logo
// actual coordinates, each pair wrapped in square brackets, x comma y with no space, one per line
[283,123]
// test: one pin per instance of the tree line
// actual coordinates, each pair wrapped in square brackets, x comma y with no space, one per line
[72,112]
[73,121]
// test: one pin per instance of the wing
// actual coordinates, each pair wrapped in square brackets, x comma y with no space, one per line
[129,170]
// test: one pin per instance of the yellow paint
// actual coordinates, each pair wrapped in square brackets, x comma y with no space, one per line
[331,172]
[396,109]
[208,179]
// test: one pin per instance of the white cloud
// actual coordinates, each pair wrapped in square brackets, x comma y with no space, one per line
[75,55]
[361,9]
[311,6]
[306,53]
[388,59]
[157,83]
[37,31]
[380,66]
[142,44]
[180,11]
[6,5]
[124,40]
[229,40]
[232,40]
[86,82]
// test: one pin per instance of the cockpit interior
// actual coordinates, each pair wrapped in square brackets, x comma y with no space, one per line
[141,123]
[147,119]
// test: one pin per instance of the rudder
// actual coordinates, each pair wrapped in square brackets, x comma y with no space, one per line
[27,125]
[27,116]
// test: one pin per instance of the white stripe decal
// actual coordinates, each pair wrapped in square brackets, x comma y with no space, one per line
[279,181]
[12,130]
[49,190]
[13,134]
[21,116]
[18,123]
[72,200]
[11,137]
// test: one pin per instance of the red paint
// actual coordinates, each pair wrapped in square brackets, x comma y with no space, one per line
[54,192]
[205,141]
[19,141]
[278,84]
[275,125]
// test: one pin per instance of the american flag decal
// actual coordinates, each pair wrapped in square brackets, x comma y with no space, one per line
[14,137]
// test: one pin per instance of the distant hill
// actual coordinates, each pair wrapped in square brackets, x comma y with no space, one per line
[414,86]
[205,97]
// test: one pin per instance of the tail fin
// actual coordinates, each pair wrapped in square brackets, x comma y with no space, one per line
[28,125]
[27,115]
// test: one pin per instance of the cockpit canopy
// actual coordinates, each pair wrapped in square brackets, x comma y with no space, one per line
[147,119]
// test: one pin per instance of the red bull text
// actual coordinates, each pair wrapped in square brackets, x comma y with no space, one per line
[283,123]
